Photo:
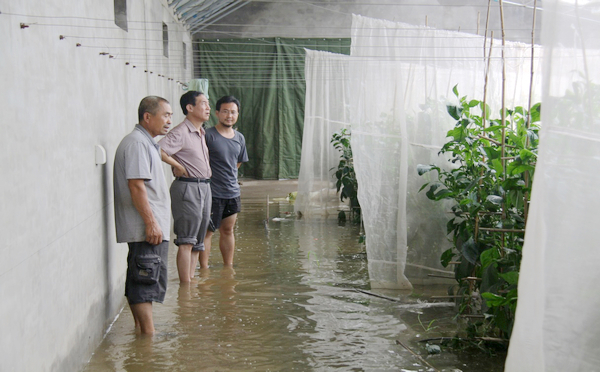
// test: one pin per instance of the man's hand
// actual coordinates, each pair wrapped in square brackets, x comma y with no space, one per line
[153,233]
[179,171]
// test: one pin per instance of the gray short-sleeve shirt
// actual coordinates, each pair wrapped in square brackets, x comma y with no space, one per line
[225,154]
[138,157]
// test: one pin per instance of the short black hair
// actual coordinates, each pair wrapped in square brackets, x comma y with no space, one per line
[227,99]
[149,104]
[189,98]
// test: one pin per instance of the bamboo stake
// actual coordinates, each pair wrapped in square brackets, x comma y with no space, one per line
[445,297]
[472,278]
[503,97]
[440,339]
[496,142]
[483,117]
[440,276]
[430,268]
[484,111]
[485,81]
[532,63]
[481,213]
[492,339]
[526,195]
[501,230]
[503,115]
[376,295]
[487,22]
[417,355]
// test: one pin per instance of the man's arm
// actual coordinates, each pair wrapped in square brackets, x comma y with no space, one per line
[178,169]
[140,202]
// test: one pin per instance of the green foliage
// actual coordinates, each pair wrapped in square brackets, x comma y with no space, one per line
[489,185]
[346,184]
[429,327]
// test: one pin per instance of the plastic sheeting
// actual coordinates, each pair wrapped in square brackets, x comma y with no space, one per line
[267,76]
[400,78]
[200,85]
[557,319]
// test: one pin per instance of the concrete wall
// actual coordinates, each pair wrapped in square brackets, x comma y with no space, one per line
[332,19]
[61,272]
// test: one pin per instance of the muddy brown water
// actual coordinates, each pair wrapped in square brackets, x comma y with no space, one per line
[297,299]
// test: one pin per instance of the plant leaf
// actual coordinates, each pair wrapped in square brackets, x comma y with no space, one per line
[492,300]
[488,256]
[446,257]
[422,169]
[470,251]
[458,134]
[494,199]
[454,111]
[511,277]
[473,103]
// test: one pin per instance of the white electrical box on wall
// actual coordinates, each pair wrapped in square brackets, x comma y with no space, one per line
[100,155]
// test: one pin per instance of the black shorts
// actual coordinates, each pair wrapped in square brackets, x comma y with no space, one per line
[221,209]
[146,272]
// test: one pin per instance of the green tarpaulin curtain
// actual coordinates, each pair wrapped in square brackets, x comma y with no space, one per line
[267,76]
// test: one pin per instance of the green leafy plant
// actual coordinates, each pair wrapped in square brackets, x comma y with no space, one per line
[429,327]
[346,184]
[488,178]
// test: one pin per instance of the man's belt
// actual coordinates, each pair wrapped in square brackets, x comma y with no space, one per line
[187,179]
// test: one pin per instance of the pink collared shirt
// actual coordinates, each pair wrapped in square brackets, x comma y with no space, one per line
[187,145]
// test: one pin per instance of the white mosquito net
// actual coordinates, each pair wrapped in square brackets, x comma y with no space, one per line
[326,112]
[396,86]
[557,319]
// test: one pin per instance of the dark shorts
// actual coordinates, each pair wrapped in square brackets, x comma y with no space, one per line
[190,205]
[223,208]
[146,272]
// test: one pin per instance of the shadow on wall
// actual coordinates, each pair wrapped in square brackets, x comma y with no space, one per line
[107,222]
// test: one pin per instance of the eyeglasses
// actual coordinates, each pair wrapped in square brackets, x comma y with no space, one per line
[227,112]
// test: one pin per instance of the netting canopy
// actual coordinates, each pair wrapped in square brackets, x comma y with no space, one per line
[557,319]
[326,112]
[393,91]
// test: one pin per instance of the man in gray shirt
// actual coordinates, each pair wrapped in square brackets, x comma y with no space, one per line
[142,215]
[227,149]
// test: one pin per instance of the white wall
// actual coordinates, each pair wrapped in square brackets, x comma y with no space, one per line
[61,272]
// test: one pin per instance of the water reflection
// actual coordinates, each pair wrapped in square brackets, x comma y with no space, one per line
[288,305]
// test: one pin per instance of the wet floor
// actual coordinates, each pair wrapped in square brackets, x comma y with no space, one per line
[298,299]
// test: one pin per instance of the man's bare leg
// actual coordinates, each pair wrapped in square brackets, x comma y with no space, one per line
[184,256]
[227,239]
[205,254]
[142,315]
[135,319]
[193,263]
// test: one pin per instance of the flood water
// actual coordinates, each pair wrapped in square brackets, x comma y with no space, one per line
[298,299]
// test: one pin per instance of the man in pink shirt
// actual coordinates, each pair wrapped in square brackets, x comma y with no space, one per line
[184,149]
